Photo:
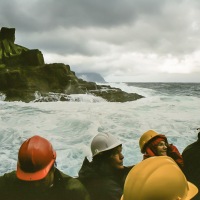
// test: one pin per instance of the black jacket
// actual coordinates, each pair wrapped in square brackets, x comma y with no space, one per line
[101,182]
[191,159]
[64,188]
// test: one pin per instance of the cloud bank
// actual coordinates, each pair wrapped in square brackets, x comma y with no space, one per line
[130,40]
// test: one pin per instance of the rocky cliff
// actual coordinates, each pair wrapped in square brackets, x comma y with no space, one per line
[23,73]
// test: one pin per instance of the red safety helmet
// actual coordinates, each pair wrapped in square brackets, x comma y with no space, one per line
[35,158]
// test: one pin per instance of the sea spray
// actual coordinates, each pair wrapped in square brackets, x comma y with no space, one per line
[70,126]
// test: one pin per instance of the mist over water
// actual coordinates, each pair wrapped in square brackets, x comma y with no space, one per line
[173,110]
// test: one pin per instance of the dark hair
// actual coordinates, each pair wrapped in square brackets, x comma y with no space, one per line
[105,155]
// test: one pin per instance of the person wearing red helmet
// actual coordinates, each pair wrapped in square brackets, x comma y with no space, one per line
[37,177]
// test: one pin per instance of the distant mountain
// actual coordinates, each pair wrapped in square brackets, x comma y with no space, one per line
[91,77]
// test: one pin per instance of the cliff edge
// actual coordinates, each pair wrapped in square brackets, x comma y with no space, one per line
[23,73]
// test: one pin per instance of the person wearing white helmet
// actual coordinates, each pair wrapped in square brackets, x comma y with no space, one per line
[104,176]
[158,178]
[154,144]
[37,178]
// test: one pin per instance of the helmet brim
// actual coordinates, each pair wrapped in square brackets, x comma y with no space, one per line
[193,190]
[109,148]
[33,176]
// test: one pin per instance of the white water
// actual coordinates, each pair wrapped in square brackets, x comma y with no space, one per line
[70,126]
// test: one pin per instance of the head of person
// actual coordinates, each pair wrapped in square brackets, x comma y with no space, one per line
[157,178]
[35,166]
[106,148]
[153,143]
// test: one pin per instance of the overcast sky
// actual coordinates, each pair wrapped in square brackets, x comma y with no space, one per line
[123,40]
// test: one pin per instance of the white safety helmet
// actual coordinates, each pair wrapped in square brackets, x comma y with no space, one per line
[103,142]
[157,178]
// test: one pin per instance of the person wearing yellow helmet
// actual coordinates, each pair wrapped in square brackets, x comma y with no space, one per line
[157,178]
[37,177]
[104,176]
[153,144]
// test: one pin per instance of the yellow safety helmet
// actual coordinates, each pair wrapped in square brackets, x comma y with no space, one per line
[157,178]
[146,137]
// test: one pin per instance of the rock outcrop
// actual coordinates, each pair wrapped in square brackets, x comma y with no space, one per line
[12,54]
[23,73]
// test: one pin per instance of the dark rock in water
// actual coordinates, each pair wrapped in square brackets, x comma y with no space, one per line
[116,95]
[23,75]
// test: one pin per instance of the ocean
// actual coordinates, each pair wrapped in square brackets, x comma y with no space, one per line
[172,109]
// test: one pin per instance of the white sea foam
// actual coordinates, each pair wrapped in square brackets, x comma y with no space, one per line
[70,126]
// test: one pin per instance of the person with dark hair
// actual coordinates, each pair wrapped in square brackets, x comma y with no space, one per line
[104,176]
[37,177]
[191,158]
[154,144]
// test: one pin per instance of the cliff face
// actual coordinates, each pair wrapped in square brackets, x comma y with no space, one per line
[12,54]
[20,83]
[23,72]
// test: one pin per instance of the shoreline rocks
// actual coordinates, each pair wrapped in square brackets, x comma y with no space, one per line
[23,72]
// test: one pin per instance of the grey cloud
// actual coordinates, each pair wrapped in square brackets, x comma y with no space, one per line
[50,14]
[94,28]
